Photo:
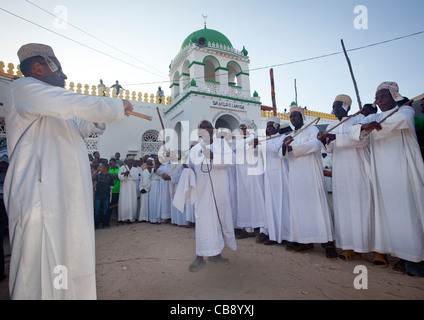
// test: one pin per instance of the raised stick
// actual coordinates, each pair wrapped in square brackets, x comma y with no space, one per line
[351,116]
[353,77]
[384,119]
[161,123]
[311,123]
[140,115]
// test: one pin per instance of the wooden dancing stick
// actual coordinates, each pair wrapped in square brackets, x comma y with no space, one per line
[410,102]
[351,116]
[312,122]
[272,137]
[384,119]
[389,115]
[297,133]
[295,92]
[353,77]
[274,104]
[140,115]
[161,123]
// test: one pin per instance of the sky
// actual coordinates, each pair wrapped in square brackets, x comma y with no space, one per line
[135,41]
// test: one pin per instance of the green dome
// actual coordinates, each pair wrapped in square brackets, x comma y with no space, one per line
[209,35]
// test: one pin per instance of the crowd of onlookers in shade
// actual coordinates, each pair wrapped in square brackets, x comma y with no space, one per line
[137,189]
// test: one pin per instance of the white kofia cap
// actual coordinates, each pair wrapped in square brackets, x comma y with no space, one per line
[34,49]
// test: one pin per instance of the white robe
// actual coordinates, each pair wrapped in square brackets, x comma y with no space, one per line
[327,164]
[310,217]
[250,185]
[277,208]
[214,223]
[397,172]
[352,189]
[127,208]
[165,197]
[145,183]
[137,188]
[48,190]
[185,194]
[177,217]
[154,198]
[232,178]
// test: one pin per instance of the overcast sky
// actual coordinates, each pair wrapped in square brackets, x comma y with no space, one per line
[135,41]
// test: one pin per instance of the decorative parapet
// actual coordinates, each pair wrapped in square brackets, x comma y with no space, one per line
[308,113]
[270,113]
[10,73]
[92,90]
[243,53]
[322,115]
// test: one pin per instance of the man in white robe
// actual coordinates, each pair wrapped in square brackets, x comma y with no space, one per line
[232,178]
[48,191]
[250,183]
[277,208]
[177,217]
[145,184]
[128,175]
[184,196]
[214,224]
[310,217]
[352,188]
[397,172]
[165,196]
[154,194]
[174,174]
[137,164]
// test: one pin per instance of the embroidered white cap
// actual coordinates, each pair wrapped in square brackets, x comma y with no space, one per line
[34,49]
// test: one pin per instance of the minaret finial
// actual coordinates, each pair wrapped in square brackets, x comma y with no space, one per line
[204,18]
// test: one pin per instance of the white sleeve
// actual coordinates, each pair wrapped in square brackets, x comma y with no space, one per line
[37,98]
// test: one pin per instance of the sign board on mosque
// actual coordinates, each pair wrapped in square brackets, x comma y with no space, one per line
[227,105]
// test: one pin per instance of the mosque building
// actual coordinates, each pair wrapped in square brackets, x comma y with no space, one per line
[209,80]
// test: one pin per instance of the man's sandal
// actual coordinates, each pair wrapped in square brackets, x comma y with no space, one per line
[379,261]
[349,255]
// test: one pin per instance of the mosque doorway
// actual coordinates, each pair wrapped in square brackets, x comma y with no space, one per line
[226,123]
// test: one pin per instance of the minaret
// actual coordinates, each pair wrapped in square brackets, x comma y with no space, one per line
[210,80]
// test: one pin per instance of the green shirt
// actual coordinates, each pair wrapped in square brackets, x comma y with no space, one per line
[116,181]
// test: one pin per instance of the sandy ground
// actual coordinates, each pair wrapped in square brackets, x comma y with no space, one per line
[142,261]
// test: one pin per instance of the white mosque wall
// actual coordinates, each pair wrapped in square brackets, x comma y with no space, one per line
[125,136]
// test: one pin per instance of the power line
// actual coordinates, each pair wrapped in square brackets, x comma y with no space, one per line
[104,42]
[340,52]
[313,58]
[198,78]
[80,43]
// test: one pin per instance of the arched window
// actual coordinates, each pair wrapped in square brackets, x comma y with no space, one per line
[91,142]
[150,143]
[185,75]
[233,70]
[211,63]
[175,86]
